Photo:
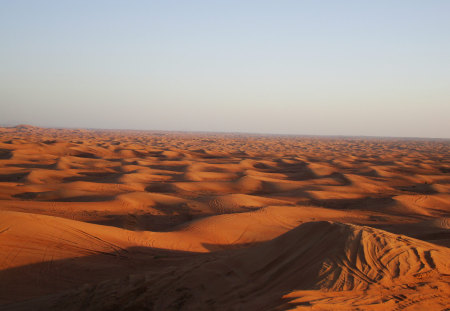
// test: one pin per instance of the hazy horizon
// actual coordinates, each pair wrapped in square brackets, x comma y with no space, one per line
[262,134]
[292,68]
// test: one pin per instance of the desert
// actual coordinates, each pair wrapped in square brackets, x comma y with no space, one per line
[225,155]
[153,220]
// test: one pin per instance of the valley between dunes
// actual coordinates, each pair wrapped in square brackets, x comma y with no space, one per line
[138,220]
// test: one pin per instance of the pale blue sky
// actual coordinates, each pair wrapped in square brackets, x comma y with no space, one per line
[377,68]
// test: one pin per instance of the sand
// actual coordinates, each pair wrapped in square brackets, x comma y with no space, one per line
[137,220]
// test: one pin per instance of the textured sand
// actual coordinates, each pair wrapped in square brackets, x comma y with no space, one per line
[131,220]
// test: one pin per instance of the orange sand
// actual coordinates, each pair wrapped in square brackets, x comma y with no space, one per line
[134,220]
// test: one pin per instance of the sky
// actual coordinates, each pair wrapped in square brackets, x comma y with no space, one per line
[374,68]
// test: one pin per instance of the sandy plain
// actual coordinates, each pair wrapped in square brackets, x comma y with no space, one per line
[135,220]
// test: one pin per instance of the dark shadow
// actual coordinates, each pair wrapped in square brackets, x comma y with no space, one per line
[86,198]
[135,153]
[86,155]
[34,165]
[113,160]
[433,236]
[341,178]
[294,171]
[26,195]
[161,187]
[382,163]
[15,177]
[98,177]
[145,222]
[418,188]
[302,194]
[5,154]
[49,142]
[49,196]
[437,236]
[300,172]
[444,170]
[261,166]
[55,276]
[362,172]
[368,203]
[174,168]
[218,248]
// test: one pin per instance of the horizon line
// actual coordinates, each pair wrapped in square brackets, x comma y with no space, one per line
[227,132]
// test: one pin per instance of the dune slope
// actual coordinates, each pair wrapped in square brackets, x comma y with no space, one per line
[317,259]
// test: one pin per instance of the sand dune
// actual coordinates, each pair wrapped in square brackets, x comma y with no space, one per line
[134,220]
[321,259]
